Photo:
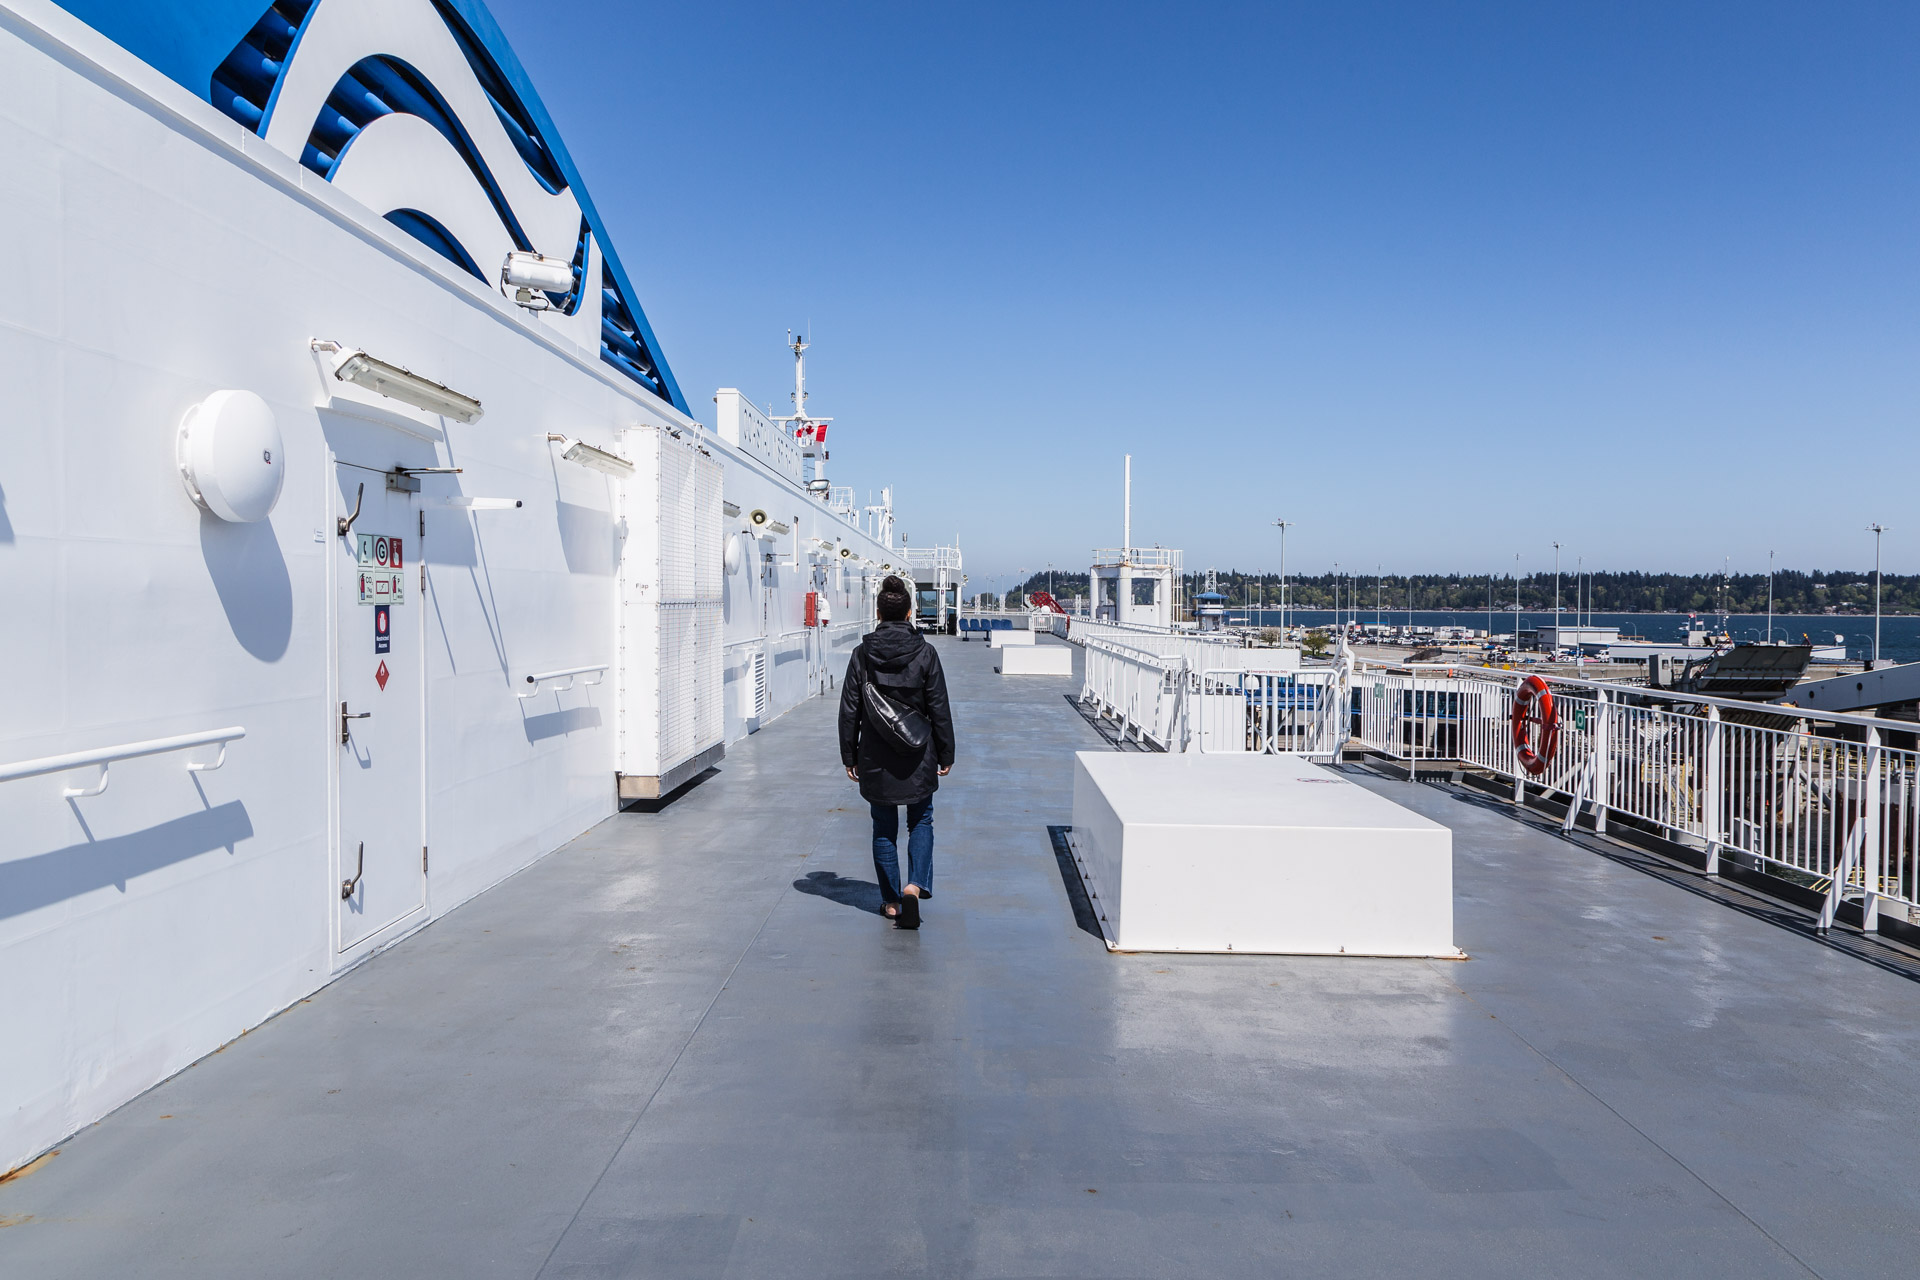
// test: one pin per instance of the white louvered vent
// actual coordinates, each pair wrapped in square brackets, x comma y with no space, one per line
[672,681]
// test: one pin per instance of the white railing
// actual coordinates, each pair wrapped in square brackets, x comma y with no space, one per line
[569,674]
[1182,663]
[102,757]
[1142,693]
[1198,651]
[1270,712]
[1838,814]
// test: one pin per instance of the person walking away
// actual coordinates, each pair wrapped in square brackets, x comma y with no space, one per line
[895,689]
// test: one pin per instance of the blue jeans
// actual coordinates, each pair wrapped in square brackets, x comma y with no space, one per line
[886,850]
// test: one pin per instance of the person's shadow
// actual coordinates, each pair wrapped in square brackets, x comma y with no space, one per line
[863,895]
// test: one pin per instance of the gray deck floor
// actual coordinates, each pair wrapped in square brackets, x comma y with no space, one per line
[685,1045]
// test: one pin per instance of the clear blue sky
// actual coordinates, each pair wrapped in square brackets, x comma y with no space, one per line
[1439,283]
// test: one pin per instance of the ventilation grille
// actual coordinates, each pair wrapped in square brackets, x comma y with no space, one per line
[243,85]
[621,343]
[691,608]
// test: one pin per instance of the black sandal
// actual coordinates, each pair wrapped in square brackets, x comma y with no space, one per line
[909,913]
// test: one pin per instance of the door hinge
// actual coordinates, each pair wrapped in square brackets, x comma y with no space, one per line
[423,859]
[423,523]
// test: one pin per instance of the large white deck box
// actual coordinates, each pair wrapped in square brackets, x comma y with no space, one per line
[1257,853]
[1037,660]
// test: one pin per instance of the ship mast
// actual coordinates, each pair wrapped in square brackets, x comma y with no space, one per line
[809,433]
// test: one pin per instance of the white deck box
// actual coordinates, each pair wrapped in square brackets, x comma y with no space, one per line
[1037,660]
[1257,853]
[1001,639]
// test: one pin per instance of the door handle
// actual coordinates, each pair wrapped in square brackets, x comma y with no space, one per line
[348,886]
[346,734]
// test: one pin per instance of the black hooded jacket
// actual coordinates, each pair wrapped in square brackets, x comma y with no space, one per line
[906,668]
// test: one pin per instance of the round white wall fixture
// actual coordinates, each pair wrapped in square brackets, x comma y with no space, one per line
[230,456]
[736,554]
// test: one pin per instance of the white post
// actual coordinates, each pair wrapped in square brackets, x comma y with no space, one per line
[1870,839]
[1602,760]
[1283,579]
[1876,529]
[1123,586]
[1519,772]
[1711,816]
[1413,725]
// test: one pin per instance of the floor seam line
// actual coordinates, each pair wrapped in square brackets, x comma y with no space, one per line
[1651,1141]
[678,1054]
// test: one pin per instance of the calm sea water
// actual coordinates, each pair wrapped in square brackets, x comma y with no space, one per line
[1899,637]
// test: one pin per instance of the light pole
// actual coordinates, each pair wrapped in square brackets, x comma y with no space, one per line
[1876,529]
[1579,599]
[1516,602]
[1556,595]
[1336,595]
[1376,596]
[1283,526]
[1769,597]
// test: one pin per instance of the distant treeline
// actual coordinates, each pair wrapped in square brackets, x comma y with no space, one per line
[1794,591]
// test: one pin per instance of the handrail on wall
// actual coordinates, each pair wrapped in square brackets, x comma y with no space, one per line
[105,756]
[569,674]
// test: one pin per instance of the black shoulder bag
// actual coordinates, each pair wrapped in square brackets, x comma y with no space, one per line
[899,726]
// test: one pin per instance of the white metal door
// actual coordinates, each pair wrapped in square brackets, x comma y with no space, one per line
[378,731]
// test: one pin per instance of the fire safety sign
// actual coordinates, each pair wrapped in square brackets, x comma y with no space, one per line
[382,586]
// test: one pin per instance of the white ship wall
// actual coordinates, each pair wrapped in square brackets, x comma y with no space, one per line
[162,252]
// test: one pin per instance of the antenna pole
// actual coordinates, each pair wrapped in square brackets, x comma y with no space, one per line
[1123,592]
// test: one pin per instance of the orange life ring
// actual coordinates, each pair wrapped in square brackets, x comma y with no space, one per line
[1533,710]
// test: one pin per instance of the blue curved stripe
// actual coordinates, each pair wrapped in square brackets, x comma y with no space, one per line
[189,42]
[495,42]
[428,231]
[388,85]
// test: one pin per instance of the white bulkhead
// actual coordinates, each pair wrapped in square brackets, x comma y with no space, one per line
[449,645]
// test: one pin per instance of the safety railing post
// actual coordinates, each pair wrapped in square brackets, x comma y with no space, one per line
[1413,725]
[1711,817]
[1513,751]
[1602,750]
[1870,851]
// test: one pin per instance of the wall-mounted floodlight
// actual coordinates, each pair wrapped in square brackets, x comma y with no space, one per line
[588,456]
[485,504]
[532,277]
[397,383]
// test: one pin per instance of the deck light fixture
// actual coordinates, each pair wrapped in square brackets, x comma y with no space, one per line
[532,277]
[397,383]
[587,456]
